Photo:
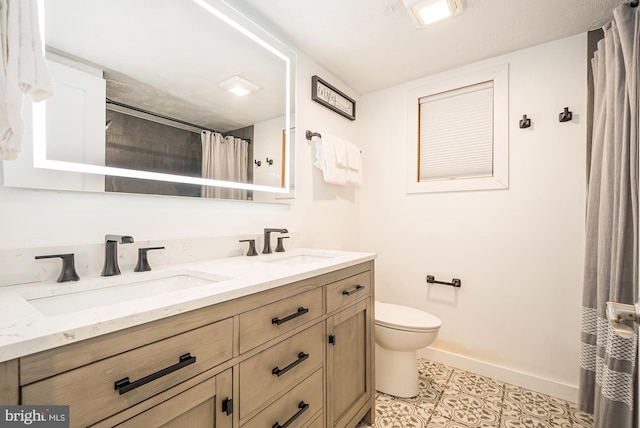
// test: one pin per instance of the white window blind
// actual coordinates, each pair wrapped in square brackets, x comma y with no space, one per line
[456,134]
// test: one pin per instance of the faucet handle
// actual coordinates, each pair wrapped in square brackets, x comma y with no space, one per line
[280,247]
[143,263]
[121,239]
[252,247]
[68,272]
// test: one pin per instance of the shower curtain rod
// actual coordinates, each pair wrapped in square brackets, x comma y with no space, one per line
[161,116]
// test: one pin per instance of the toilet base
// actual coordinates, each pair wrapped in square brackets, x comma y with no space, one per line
[396,372]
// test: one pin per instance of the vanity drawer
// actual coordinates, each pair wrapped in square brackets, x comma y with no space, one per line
[345,291]
[280,367]
[267,322]
[317,423]
[298,406]
[91,390]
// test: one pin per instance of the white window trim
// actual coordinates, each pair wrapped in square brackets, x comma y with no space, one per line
[438,84]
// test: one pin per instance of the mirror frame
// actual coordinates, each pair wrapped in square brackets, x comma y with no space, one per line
[225,12]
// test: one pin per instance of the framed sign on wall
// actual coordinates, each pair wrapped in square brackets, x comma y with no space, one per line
[333,99]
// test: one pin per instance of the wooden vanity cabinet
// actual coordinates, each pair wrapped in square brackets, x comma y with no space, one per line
[350,354]
[9,385]
[299,355]
[204,405]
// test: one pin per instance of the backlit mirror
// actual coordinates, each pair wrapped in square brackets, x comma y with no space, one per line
[144,101]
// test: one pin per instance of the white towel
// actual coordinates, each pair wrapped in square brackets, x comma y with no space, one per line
[22,69]
[354,157]
[340,148]
[33,76]
[339,160]
[354,166]
[331,171]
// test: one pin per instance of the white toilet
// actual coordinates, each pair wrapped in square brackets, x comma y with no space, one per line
[399,332]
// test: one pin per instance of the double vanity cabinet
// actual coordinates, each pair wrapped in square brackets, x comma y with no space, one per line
[297,355]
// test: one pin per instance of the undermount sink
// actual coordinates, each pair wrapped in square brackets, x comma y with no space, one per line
[78,300]
[301,259]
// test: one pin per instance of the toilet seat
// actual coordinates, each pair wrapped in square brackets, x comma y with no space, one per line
[405,318]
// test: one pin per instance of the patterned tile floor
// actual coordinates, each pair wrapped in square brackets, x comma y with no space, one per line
[453,398]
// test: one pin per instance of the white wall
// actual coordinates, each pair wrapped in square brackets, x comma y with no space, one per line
[38,218]
[518,251]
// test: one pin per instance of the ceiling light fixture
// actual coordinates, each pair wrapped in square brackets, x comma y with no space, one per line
[425,12]
[239,86]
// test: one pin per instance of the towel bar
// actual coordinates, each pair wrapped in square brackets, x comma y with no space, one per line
[310,135]
[455,282]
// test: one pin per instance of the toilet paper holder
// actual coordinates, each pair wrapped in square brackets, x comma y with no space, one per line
[455,282]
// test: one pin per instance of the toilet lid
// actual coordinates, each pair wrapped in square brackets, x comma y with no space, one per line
[404,317]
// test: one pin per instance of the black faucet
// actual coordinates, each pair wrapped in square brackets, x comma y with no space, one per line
[111,253]
[68,272]
[267,239]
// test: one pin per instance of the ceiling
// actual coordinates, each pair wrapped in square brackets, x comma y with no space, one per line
[372,44]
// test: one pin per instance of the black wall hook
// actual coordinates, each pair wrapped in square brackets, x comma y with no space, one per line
[566,115]
[257,162]
[525,122]
[270,161]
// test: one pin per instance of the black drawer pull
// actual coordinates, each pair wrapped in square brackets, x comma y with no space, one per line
[301,357]
[227,406]
[123,385]
[301,311]
[302,406]
[355,290]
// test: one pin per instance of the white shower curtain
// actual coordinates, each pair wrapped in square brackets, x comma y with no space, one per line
[608,367]
[224,158]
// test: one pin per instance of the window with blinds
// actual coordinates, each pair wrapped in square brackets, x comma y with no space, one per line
[458,132]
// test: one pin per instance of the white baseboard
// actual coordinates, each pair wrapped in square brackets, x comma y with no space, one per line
[524,380]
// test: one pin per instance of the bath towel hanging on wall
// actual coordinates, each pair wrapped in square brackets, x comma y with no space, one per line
[608,366]
[339,160]
[23,70]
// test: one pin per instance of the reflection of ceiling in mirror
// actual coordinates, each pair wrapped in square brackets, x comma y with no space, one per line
[168,57]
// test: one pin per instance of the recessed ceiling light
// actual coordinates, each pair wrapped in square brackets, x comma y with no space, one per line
[239,86]
[425,12]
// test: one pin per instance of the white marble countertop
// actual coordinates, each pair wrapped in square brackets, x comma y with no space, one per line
[25,330]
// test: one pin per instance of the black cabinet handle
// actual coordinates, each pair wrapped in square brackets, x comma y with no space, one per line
[227,406]
[302,406]
[355,290]
[301,357]
[301,311]
[123,385]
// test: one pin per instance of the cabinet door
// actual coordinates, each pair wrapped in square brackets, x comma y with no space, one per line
[349,379]
[203,406]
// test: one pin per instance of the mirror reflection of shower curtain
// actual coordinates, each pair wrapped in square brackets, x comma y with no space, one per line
[224,158]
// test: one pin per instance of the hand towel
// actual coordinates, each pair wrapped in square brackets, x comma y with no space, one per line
[325,159]
[25,70]
[340,147]
[332,172]
[33,75]
[354,157]
[354,166]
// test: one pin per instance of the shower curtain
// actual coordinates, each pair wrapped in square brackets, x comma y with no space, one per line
[224,158]
[608,369]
